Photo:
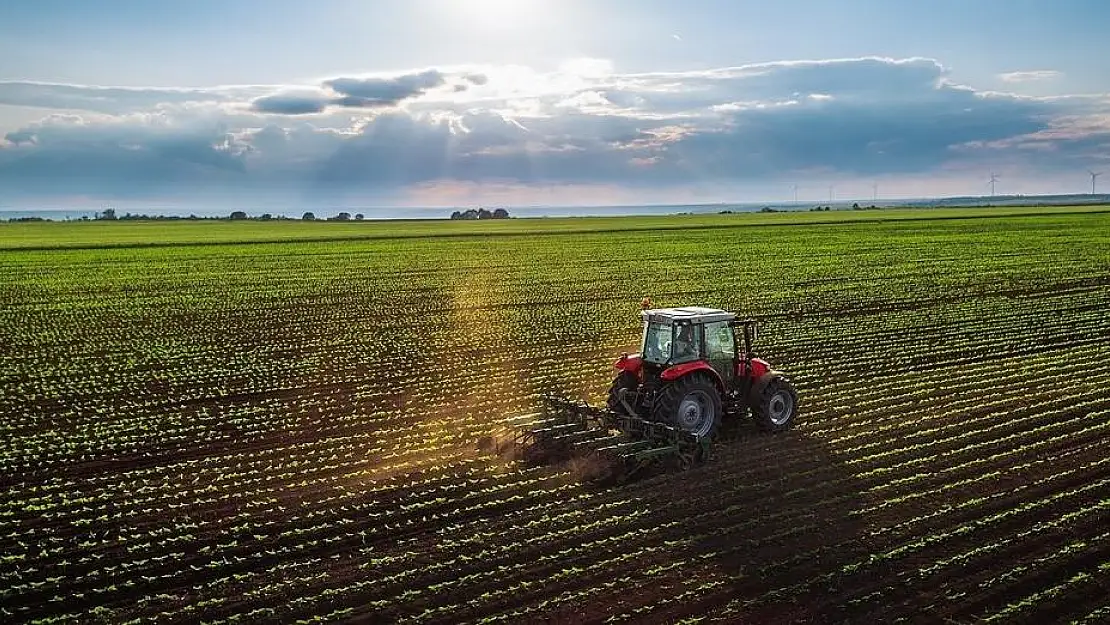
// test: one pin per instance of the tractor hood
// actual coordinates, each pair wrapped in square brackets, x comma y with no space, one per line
[630,363]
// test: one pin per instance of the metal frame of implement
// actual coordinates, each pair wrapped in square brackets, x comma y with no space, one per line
[572,428]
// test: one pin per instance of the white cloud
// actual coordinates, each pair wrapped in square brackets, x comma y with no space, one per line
[587,68]
[116,100]
[584,125]
[1030,75]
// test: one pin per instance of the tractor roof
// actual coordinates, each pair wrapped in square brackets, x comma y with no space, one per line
[689,314]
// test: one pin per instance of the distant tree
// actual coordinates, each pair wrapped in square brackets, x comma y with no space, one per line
[238,215]
[359,216]
[855,206]
[266,217]
[308,217]
[456,215]
[484,214]
[109,213]
[343,217]
[500,214]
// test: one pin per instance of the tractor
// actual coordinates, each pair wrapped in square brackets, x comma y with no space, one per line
[696,369]
[695,372]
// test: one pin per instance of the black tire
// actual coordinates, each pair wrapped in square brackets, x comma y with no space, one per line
[775,405]
[624,380]
[676,398]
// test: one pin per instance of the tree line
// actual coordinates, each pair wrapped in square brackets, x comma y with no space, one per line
[480,213]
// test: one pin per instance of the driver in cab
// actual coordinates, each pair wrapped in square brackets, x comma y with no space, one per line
[684,346]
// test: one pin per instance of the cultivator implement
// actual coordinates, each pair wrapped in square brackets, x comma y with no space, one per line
[615,445]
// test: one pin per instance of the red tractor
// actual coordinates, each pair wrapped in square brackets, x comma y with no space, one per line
[696,369]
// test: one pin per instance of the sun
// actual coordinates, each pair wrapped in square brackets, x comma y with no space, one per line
[500,14]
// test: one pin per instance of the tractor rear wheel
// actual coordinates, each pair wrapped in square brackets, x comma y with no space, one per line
[690,403]
[625,380]
[775,405]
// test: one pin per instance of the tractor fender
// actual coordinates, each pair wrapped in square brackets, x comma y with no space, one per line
[631,363]
[761,383]
[677,371]
[756,370]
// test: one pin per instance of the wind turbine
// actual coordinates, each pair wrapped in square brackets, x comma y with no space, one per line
[994,179]
[875,192]
[795,193]
[831,187]
[1093,176]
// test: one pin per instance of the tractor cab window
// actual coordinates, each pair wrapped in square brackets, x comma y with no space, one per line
[720,348]
[685,343]
[657,342]
[719,341]
[666,343]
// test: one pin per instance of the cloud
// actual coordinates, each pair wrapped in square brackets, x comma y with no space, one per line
[387,91]
[372,92]
[1030,76]
[291,103]
[112,100]
[340,92]
[17,137]
[583,125]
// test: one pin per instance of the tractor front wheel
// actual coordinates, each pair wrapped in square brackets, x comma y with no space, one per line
[690,403]
[775,405]
[627,381]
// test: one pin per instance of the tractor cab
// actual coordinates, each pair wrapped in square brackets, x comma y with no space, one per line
[675,336]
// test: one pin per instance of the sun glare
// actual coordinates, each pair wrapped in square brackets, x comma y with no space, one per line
[499,14]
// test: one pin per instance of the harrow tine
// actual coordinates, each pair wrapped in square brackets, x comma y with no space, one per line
[593,443]
[630,446]
[524,418]
[550,433]
[582,436]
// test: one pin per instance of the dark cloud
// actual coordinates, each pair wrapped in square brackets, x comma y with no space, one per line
[854,137]
[290,104]
[386,91]
[356,93]
[72,158]
[17,137]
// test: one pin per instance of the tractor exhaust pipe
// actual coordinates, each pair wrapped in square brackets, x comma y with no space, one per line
[751,331]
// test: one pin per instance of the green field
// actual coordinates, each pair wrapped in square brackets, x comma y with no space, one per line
[49,235]
[277,421]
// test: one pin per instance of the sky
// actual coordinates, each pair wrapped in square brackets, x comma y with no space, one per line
[418,103]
